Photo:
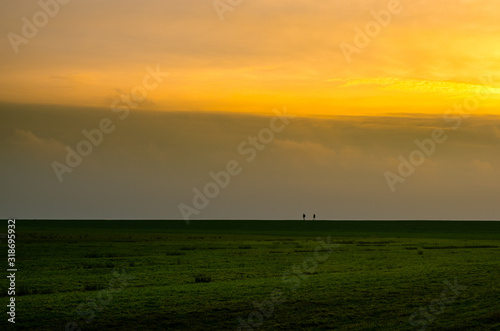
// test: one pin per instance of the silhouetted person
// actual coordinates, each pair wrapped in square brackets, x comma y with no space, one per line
[314,217]
[303,217]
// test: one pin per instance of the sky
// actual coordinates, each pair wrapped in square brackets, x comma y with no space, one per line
[360,109]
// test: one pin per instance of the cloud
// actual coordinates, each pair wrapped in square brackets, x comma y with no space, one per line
[265,52]
[424,86]
[153,160]
[306,153]
[25,142]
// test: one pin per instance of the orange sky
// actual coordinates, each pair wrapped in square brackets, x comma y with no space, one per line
[202,80]
[262,55]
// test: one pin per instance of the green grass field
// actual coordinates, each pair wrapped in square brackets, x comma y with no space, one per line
[266,275]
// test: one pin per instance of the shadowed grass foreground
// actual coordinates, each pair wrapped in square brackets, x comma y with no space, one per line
[214,275]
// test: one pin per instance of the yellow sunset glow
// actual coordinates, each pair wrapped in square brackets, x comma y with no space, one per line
[422,61]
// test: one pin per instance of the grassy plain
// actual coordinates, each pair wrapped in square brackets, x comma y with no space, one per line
[215,275]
